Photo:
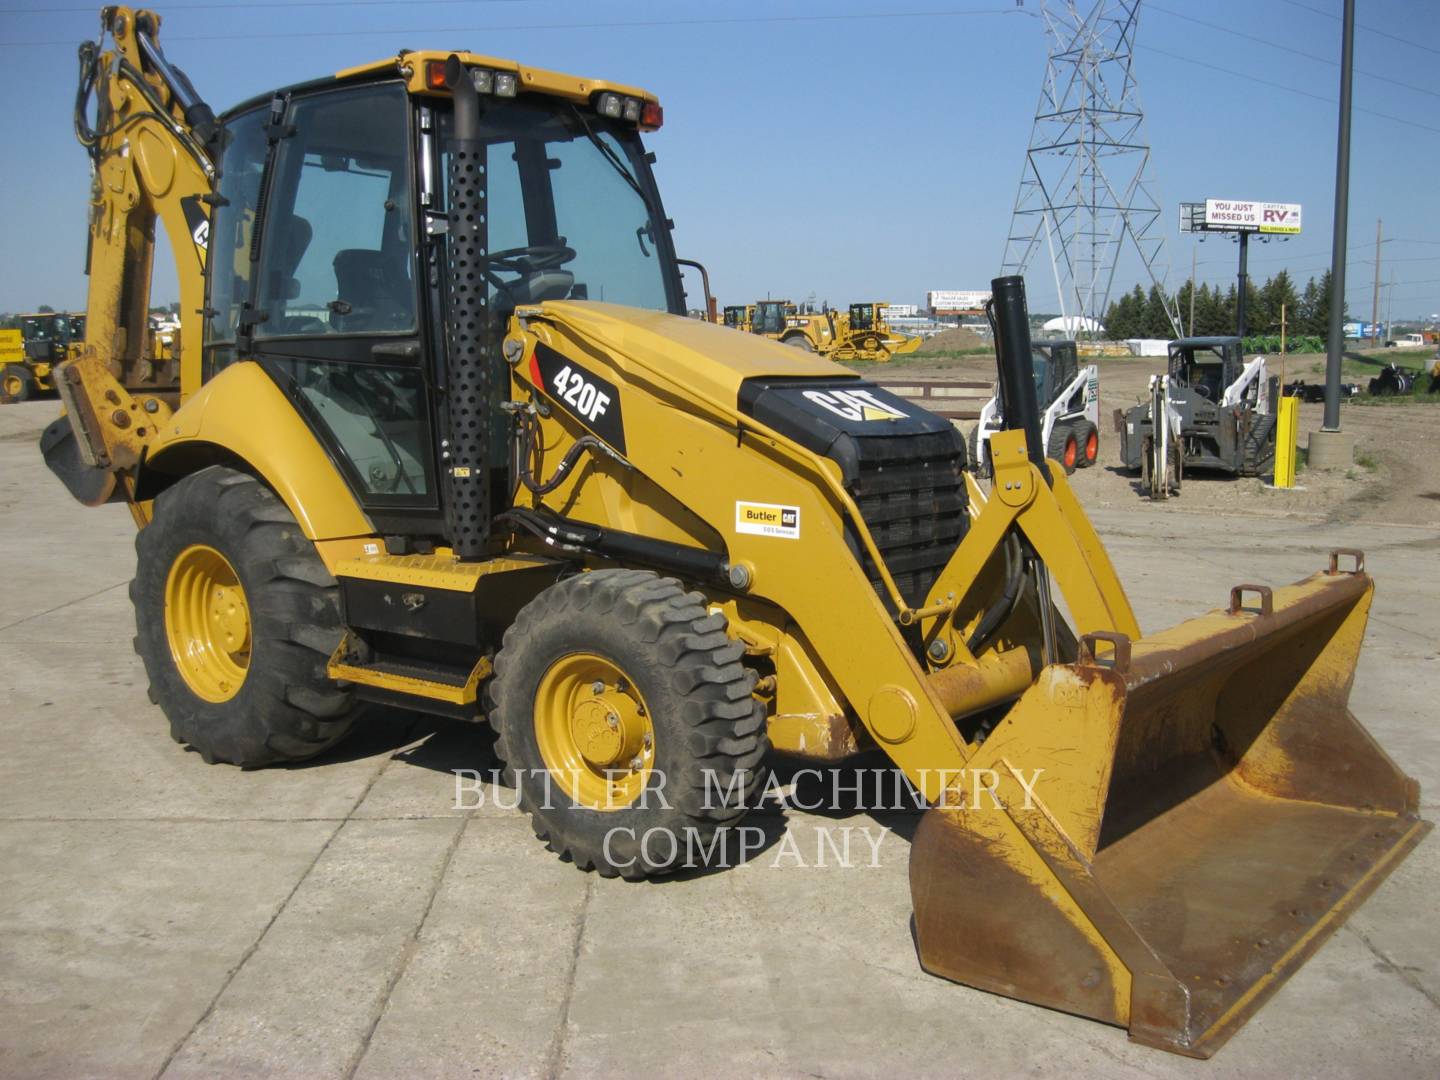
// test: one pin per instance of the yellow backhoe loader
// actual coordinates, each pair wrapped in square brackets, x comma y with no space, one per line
[418,460]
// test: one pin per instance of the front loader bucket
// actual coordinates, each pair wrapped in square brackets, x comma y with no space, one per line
[1206,812]
[900,345]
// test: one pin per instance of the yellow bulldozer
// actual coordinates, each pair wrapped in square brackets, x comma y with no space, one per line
[417,460]
[863,333]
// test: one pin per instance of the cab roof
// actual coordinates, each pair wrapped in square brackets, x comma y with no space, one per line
[1214,342]
[410,65]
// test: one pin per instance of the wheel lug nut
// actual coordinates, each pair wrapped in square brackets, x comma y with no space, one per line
[613,721]
[597,687]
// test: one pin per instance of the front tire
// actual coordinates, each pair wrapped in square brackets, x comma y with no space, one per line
[1064,447]
[235,618]
[624,715]
[18,382]
[1089,440]
[798,341]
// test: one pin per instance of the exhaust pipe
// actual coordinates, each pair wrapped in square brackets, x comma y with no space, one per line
[1010,321]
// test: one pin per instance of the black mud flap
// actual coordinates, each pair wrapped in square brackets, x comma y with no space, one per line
[89,484]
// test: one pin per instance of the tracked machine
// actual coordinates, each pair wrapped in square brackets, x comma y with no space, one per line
[417,460]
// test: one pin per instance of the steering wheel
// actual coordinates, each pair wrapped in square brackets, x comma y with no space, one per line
[530,260]
[1201,389]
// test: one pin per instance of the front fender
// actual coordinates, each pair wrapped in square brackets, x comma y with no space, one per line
[241,413]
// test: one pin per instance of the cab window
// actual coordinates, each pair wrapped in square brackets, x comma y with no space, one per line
[338,244]
[242,164]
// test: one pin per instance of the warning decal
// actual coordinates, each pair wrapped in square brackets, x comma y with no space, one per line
[767,519]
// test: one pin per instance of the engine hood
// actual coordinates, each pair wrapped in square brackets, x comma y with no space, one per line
[708,359]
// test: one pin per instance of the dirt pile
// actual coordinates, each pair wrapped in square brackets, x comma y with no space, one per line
[956,340]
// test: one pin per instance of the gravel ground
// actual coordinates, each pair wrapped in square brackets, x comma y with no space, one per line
[1397,446]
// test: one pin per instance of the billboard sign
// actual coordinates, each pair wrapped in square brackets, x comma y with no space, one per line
[1234,215]
[956,301]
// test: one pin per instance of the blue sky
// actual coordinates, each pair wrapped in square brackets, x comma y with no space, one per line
[845,157]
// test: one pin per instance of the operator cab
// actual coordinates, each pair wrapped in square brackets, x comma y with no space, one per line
[735,316]
[862,317]
[1206,365]
[1055,364]
[769,317]
[330,255]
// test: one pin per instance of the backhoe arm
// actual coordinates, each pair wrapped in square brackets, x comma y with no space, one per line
[152,144]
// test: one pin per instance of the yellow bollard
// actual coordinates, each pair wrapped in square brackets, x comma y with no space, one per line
[1286,435]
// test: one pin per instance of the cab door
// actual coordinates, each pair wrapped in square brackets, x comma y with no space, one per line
[336,317]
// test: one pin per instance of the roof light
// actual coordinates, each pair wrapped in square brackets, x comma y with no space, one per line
[483,79]
[609,105]
[435,74]
[505,84]
[652,116]
[631,110]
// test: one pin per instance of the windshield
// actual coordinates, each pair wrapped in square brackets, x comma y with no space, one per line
[573,213]
[861,316]
[769,318]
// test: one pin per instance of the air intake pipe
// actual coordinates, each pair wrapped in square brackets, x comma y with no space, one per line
[469,331]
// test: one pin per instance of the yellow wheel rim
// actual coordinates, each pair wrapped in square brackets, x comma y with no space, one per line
[13,385]
[594,732]
[207,621]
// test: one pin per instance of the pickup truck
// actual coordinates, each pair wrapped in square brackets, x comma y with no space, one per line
[1407,341]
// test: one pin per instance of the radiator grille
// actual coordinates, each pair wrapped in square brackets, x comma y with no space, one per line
[911,493]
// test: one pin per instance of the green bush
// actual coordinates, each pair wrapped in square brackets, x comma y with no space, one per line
[1270,343]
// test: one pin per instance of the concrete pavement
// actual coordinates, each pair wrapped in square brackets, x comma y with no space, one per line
[342,918]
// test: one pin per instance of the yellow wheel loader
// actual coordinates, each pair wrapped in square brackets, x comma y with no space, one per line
[447,441]
[46,338]
[800,328]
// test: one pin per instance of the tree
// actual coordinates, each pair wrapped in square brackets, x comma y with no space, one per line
[45,309]
[1156,322]
[1125,319]
[1278,293]
[1315,307]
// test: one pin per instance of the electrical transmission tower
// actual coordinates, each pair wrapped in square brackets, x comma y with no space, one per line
[1084,189]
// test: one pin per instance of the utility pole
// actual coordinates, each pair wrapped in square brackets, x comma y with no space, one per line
[1375,303]
[1244,283]
[1329,447]
[1192,290]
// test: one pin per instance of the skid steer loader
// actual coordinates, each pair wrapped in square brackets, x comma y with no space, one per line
[418,461]
[1069,398]
[1226,421]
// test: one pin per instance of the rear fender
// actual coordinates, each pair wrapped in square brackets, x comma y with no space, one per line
[241,417]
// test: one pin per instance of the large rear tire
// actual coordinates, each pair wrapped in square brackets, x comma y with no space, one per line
[798,341]
[17,382]
[235,618]
[625,719]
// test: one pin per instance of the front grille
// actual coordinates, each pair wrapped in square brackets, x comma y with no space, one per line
[911,493]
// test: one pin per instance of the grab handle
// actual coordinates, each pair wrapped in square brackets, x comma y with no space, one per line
[1354,553]
[1120,659]
[1267,599]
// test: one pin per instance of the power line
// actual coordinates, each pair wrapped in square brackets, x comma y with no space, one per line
[1281,86]
[637,24]
[1289,49]
[1365,26]
[247,4]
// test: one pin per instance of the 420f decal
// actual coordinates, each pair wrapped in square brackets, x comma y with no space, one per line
[593,401]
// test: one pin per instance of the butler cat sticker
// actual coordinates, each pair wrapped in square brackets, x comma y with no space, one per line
[767,519]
